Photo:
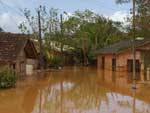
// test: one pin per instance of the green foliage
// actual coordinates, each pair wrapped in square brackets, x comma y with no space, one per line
[92,57]
[91,31]
[142,18]
[56,62]
[23,28]
[7,78]
[83,31]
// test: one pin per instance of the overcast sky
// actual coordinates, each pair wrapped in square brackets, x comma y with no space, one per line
[10,16]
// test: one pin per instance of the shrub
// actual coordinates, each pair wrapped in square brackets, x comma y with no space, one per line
[56,62]
[7,78]
[92,57]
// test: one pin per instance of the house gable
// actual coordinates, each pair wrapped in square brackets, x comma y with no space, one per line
[30,50]
[11,46]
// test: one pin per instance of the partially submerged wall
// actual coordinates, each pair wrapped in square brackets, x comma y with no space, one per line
[121,60]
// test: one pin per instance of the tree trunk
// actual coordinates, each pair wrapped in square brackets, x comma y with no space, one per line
[85,58]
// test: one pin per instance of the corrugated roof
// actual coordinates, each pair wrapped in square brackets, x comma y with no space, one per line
[120,46]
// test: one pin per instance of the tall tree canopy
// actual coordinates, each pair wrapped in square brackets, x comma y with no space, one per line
[142,18]
[83,31]
[92,31]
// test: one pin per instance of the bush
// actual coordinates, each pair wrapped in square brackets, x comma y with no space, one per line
[92,58]
[56,62]
[7,78]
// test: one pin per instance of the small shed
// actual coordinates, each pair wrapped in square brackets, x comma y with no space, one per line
[17,51]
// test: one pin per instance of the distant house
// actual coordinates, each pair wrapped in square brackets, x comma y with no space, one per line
[119,56]
[18,52]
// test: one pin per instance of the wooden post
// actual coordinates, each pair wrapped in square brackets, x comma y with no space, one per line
[134,101]
[134,50]
[142,71]
[148,73]
[61,26]
[40,38]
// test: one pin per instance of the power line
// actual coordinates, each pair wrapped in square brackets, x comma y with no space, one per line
[14,9]
[4,8]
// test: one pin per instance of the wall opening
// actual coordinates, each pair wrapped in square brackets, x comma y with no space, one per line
[13,66]
[103,62]
[114,64]
[130,65]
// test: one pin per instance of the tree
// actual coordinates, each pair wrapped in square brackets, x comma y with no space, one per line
[84,31]
[91,31]
[142,18]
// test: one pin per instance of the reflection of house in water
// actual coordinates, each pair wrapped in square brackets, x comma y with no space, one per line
[115,80]
[121,82]
[18,52]
[81,94]
[120,94]
[76,90]
[119,57]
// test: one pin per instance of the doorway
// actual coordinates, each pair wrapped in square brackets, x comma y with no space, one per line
[130,65]
[103,62]
[114,64]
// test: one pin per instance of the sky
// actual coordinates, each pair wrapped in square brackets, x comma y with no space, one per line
[11,16]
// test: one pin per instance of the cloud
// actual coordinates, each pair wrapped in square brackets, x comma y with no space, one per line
[9,22]
[120,16]
[67,15]
[9,2]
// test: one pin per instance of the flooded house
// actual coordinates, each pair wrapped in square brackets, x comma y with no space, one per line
[18,52]
[119,56]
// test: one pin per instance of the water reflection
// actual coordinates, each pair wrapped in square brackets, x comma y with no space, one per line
[77,90]
[127,101]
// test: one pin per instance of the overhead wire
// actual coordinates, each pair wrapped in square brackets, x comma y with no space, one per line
[10,16]
[37,2]
[14,9]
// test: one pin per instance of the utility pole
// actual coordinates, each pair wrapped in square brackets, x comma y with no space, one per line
[61,23]
[134,48]
[61,27]
[40,37]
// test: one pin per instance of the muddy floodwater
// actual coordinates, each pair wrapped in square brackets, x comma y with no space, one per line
[77,90]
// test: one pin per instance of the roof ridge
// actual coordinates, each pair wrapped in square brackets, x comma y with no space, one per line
[120,46]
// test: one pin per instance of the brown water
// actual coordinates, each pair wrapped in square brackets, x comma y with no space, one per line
[77,90]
